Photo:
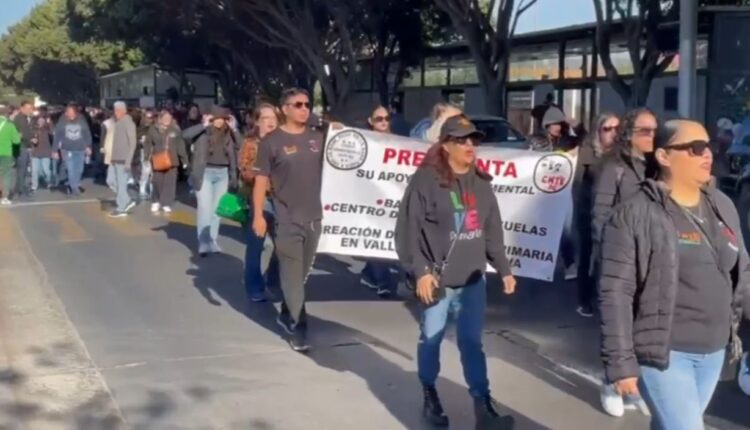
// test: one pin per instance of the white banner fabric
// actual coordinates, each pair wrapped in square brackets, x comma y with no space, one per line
[365,175]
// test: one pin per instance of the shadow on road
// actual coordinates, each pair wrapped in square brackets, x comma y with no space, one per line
[388,382]
[42,399]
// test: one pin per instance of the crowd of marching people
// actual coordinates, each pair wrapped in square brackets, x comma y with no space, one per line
[658,248]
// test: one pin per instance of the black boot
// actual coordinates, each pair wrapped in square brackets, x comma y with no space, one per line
[433,411]
[487,416]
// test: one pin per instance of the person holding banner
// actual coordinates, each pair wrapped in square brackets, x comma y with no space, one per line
[290,159]
[674,271]
[377,273]
[448,229]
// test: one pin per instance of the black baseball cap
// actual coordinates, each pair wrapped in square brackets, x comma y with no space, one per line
[459,126]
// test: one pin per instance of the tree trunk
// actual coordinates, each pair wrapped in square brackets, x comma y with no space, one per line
[494,97]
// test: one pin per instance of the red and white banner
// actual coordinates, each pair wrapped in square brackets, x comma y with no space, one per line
[366,173]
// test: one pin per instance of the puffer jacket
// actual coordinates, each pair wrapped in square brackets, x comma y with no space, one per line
[639,281]
[618,178]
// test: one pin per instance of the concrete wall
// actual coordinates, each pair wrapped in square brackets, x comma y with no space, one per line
[418,102]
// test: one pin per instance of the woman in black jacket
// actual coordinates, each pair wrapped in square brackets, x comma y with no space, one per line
[214,171]
[624,168]
[448,229]
[165,136]
[592,151]
[673,273]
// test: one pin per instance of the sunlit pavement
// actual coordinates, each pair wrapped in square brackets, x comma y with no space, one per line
[160,338]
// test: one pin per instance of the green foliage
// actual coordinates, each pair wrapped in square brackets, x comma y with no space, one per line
[39,55]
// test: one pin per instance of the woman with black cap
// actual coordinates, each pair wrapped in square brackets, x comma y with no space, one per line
[214,172]
[673,271]
[448,229]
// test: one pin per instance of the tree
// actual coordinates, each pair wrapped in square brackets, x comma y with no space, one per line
[184,34]
[317,32]
[488,28]
[642,22]
[38,55]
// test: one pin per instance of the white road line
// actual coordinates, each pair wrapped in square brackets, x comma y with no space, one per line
[49,203]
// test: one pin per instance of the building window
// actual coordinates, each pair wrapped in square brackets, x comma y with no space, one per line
[436,72]
[670,99]
[412,78]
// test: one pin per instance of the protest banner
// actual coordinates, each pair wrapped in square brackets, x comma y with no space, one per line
[365,174]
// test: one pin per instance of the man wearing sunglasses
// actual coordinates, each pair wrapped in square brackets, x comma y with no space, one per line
[291,158]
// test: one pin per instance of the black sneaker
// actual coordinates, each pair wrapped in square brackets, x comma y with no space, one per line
[298,341]
[586,311]
[130,206]
[286,323]
[487,416]
[368,280]
[384,292]
[118,214]
[432,411]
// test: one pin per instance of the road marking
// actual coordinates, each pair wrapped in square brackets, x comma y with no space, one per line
[69,229]
[182,217]
[49,203]
[123,226]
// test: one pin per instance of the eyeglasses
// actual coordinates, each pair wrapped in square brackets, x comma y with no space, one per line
[299,105]
[696,148]
[465,141]
[609,129]
[644,131]
[386,118]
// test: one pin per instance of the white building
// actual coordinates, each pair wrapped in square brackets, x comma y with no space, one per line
[149,86]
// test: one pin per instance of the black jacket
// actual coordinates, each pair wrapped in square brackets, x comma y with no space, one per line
[156,140]
[202,136]
[639,280]
[26,128]
[618,179]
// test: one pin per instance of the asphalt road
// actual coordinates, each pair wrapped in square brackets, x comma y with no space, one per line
[178,346]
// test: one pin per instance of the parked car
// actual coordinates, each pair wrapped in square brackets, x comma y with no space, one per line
[498,131]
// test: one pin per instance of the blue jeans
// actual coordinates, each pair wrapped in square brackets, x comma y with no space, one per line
[678,396]
[215,185]
[74,164]
[379,272]
[120,177]
[40,166]
[254,284]
[468,304]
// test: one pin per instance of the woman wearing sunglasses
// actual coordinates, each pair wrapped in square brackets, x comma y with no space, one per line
[377,273]
[595,146]
[448,229]
[673,270]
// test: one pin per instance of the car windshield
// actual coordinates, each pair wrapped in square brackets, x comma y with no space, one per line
[498,131]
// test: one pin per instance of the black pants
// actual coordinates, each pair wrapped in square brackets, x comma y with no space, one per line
[296,246]
[586,282]
[165,186]
[22,170]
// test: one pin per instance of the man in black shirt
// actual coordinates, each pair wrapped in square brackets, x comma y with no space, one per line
[291,158]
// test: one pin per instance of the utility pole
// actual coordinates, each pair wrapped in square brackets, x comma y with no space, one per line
[686,74]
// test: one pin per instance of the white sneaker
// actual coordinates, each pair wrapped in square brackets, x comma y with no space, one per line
[203,249]
[611,401]
[166,210]
[215,248]
[744,376]
[5,202]
[155,207]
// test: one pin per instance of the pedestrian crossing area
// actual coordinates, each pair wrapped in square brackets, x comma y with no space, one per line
[74,222]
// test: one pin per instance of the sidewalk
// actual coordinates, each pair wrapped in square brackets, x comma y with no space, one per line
[47,380]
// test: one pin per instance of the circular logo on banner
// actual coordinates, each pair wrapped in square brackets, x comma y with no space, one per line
[553,172]
[347,150]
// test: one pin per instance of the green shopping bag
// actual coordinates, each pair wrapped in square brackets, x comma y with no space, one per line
[233,207]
